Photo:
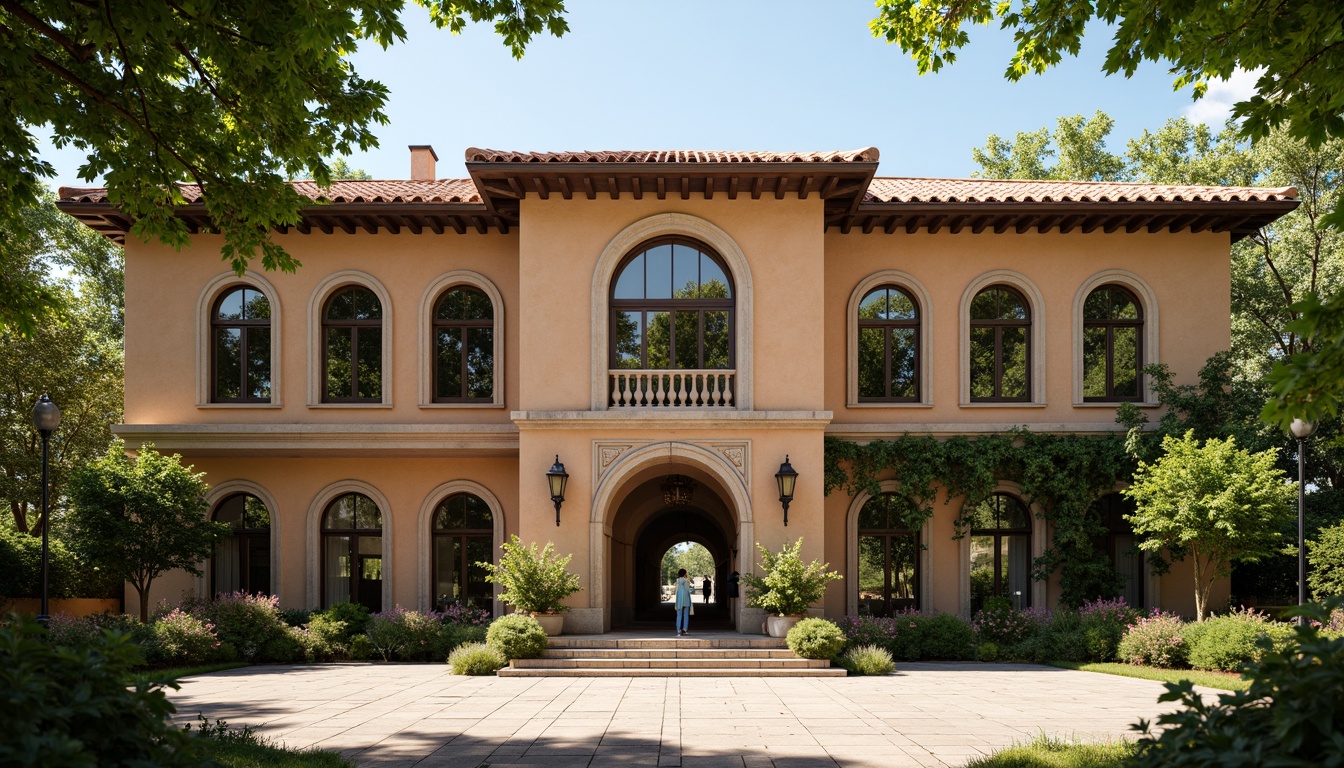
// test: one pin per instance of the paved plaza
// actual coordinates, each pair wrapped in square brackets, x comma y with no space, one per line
[927,714]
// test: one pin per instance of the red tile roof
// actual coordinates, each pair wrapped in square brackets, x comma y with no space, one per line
[391,191]
[865,155]
[917,190]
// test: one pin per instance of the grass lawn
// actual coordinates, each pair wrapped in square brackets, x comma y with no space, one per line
[1044,752]
[173,673]
[241,754]
[1228,681]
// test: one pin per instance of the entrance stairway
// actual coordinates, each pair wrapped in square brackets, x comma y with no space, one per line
[647,654]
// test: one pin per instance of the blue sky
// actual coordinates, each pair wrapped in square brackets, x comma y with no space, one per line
[731,74]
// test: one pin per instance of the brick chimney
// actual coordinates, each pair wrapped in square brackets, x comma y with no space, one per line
[422,162]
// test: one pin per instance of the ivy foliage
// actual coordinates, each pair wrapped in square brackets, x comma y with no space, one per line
[1062,474]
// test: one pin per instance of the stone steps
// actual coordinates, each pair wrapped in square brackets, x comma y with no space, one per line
[725,655]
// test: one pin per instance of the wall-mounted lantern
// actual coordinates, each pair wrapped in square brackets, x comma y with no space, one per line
[786,477]
[556,477]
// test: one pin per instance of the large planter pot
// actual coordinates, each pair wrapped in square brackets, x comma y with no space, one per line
[553,623]
[779,626]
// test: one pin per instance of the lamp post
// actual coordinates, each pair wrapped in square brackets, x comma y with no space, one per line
[557,477]
[786,478]
[46,418]
[1302,430]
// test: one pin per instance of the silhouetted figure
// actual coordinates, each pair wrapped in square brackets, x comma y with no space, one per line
[707,588]
[682,603]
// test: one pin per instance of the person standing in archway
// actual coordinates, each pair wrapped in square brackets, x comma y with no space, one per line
[682,602]
[707,587]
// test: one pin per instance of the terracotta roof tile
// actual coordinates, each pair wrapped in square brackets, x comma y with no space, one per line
[865,155]
[391,191]
[917,190]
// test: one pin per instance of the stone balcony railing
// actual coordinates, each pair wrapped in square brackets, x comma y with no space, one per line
[672,388]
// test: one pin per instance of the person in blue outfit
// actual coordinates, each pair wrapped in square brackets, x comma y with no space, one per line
[682,603]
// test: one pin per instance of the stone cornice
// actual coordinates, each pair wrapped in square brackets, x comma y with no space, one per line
[867,432]
[313,440]
[667,418]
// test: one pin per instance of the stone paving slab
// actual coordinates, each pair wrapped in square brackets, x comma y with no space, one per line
[927,714]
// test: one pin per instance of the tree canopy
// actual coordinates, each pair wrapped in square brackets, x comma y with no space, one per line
[234,97]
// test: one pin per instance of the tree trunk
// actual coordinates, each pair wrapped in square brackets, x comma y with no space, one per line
[1201,588]
[144,602]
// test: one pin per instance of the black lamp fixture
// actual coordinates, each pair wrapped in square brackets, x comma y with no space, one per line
[678,490]
[557,477]
[786,478]
[1301,430]
[46,418]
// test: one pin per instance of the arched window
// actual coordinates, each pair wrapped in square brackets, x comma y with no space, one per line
[888,346]
[352,333]
[240,359]
[1001,551]
[1120,545]
[464,346]
[463,530]
[1112,345]
[1000,346]
[242,560]
[888,558]
[672,308]
[352,552]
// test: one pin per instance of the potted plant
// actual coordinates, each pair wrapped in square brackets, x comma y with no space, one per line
[534,582]
[788,587]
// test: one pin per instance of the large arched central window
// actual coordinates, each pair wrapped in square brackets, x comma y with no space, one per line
[352,332]
[1112,345]
[463,530]
[1001,551]
[242,560]
[352,552]
[888,558]
[1000,346]
[672,308]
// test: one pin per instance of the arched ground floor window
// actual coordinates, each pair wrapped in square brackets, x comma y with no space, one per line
[1000,552]
[242,560]
[352,552]
[888,558]
[463,533]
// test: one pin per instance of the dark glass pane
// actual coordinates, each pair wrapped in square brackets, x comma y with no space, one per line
[1129,565]
[448,363]
[998,304]
[336,567]
[630,283]
[338,363]
[872,362]
[231,305]
[688,339]
[1123,305]
[660,340]
[228,363]
[452,306]
[904,373]
[367,306]
[447,568]
[1112,509]
[1013,513]
[480,362]
[370,363]
[1098,305]
[874,305]
[872,575]
[256,515]
[985,516]
[478,305]
[982,570]
[226,564]
[873,515]
[340,514]
[629,337]
[259,564]
[982,363]
[259,363]
[451,513]
[255,305]
[231,511]
[1094,362]
[479,550]
[902,307]
[478,513]
[716,339]
[904,550]
[1125,359]
[658,272]
[367,516]
[341,306]
[1016,569]
[713,281]
[686,272]
[1014,383]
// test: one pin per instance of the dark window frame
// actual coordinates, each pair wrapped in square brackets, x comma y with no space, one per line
[998,533]
[355,327]
[465,326]
[887,534]
[1110,324]
[1110,506]
[244,535]
[462,534]
[672,306]
[998,326]
[355,534]
[218,324]
[887,327]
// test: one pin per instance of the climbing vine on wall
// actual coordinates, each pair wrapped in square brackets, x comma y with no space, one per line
[1063,474]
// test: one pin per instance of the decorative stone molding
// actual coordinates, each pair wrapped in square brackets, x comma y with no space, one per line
[326,439]
[605,454]
[225,489]
[313,589]
[658,226]
[852,553]
[315,345]
[1147,299]
[908,283]
[1036,301]
[204,314]
[426,322]
[664,420]
[425,520]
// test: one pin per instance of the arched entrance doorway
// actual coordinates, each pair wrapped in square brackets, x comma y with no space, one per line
[635,523]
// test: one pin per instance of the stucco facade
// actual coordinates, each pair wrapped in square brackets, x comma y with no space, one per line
[802,242]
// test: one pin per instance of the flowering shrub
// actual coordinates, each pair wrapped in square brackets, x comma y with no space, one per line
[183,639]
[250,624]
[85,631]
[404,635]
[1103,625]
[1008,626]
[464,613]
[911,635]
[1157,640]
